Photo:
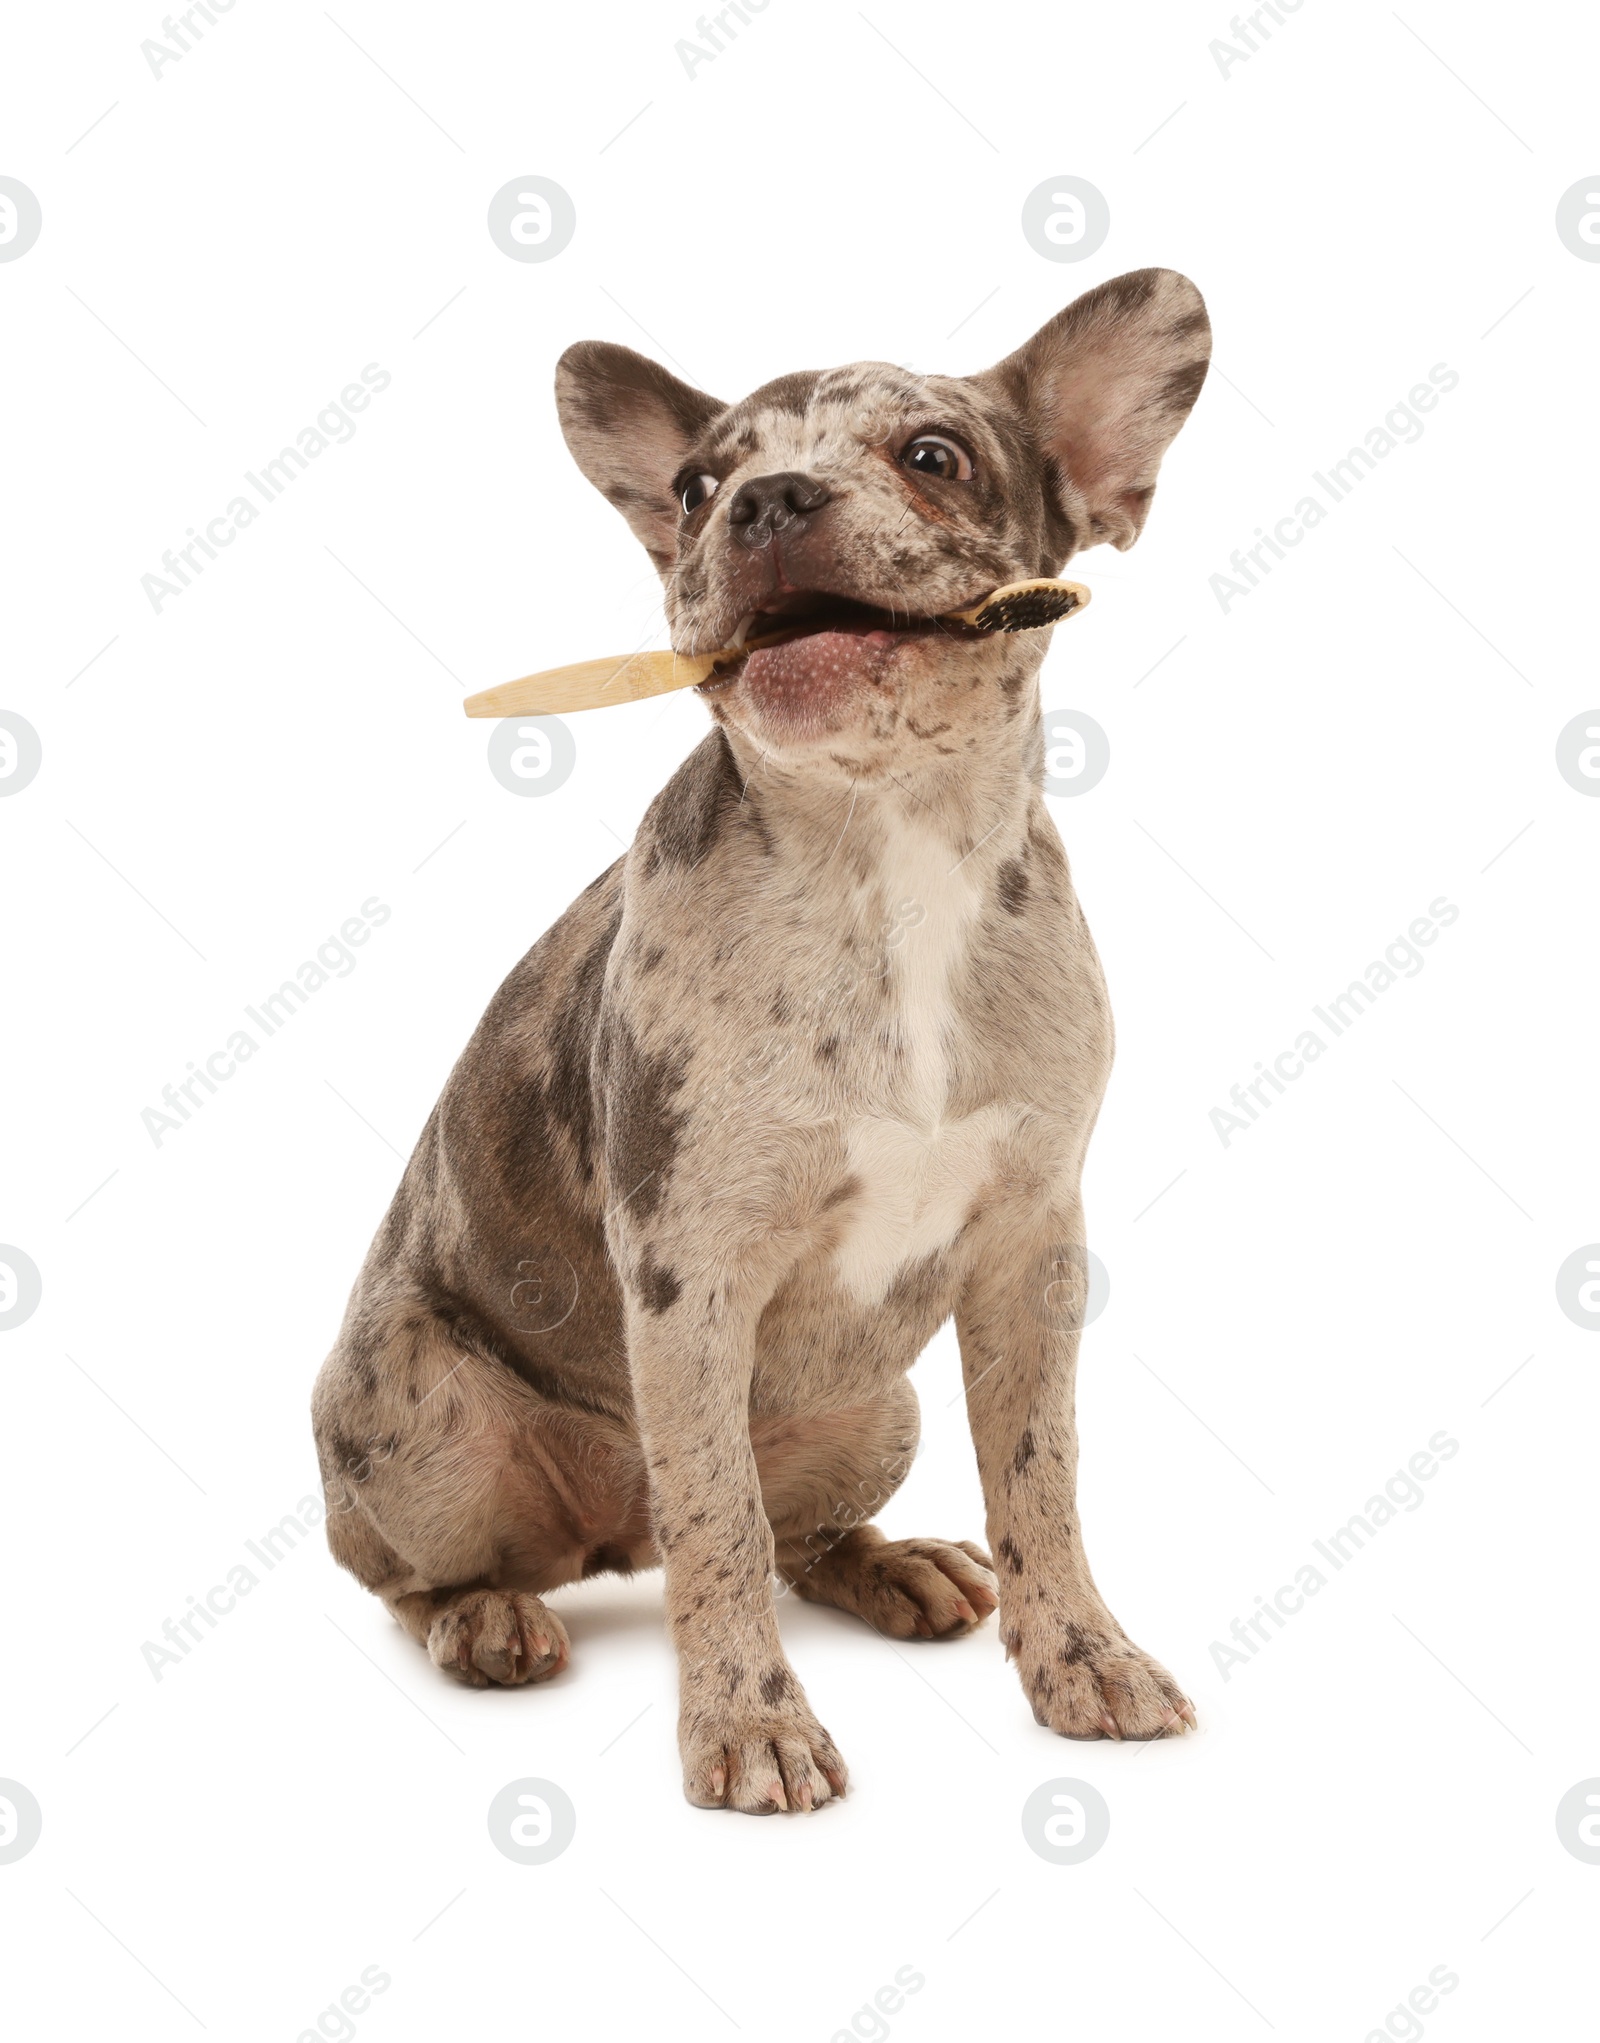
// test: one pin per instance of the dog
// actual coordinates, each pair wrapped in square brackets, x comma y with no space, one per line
[807,1072]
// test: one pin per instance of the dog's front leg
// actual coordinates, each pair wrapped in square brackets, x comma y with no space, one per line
[747,1734]
[1019,1322]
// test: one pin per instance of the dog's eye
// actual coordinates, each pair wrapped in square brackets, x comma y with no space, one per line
[697,490]
[933,454]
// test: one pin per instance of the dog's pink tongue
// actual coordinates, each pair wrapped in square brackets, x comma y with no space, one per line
[805,680]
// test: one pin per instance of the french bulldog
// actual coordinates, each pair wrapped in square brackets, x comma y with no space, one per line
[806,1073]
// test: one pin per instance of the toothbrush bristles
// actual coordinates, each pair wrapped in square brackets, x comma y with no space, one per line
[1028,610]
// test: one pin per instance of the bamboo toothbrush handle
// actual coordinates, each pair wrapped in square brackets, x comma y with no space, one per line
[593,684]
[631,677]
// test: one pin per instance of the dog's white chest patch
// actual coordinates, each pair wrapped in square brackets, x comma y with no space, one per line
[916,1171]
[916,1187]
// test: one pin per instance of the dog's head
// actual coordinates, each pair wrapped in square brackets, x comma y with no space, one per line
[852,509]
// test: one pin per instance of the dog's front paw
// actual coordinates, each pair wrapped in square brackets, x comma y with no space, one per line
[1088,1681]
[759,1757]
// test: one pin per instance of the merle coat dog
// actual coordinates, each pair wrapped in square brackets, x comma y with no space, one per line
[808,1072]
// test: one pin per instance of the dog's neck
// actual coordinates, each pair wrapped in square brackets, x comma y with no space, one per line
[829,814]
[975,801]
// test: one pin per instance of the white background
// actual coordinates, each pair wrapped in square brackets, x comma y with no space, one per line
[1290,1320]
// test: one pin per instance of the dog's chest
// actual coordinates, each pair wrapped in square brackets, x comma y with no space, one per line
[916,1167]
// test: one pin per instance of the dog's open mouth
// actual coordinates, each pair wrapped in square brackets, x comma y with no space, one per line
[812,613]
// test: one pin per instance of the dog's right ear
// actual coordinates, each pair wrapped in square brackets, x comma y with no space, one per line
[629,424]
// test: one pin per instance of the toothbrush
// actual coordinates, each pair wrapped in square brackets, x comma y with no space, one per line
[631,677]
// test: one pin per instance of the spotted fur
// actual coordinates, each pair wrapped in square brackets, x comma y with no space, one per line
[807,1073]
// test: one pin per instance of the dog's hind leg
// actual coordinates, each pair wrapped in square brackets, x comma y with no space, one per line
[904,1588]
[485,1636]
[460,1497]
[822,1479]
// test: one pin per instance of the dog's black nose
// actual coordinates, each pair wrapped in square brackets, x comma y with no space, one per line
[767,503]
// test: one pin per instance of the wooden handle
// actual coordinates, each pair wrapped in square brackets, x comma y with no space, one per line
[592,684]
[631,677]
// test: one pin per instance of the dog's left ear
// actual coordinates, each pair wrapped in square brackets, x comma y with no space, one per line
[1106,385]
[629,423]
